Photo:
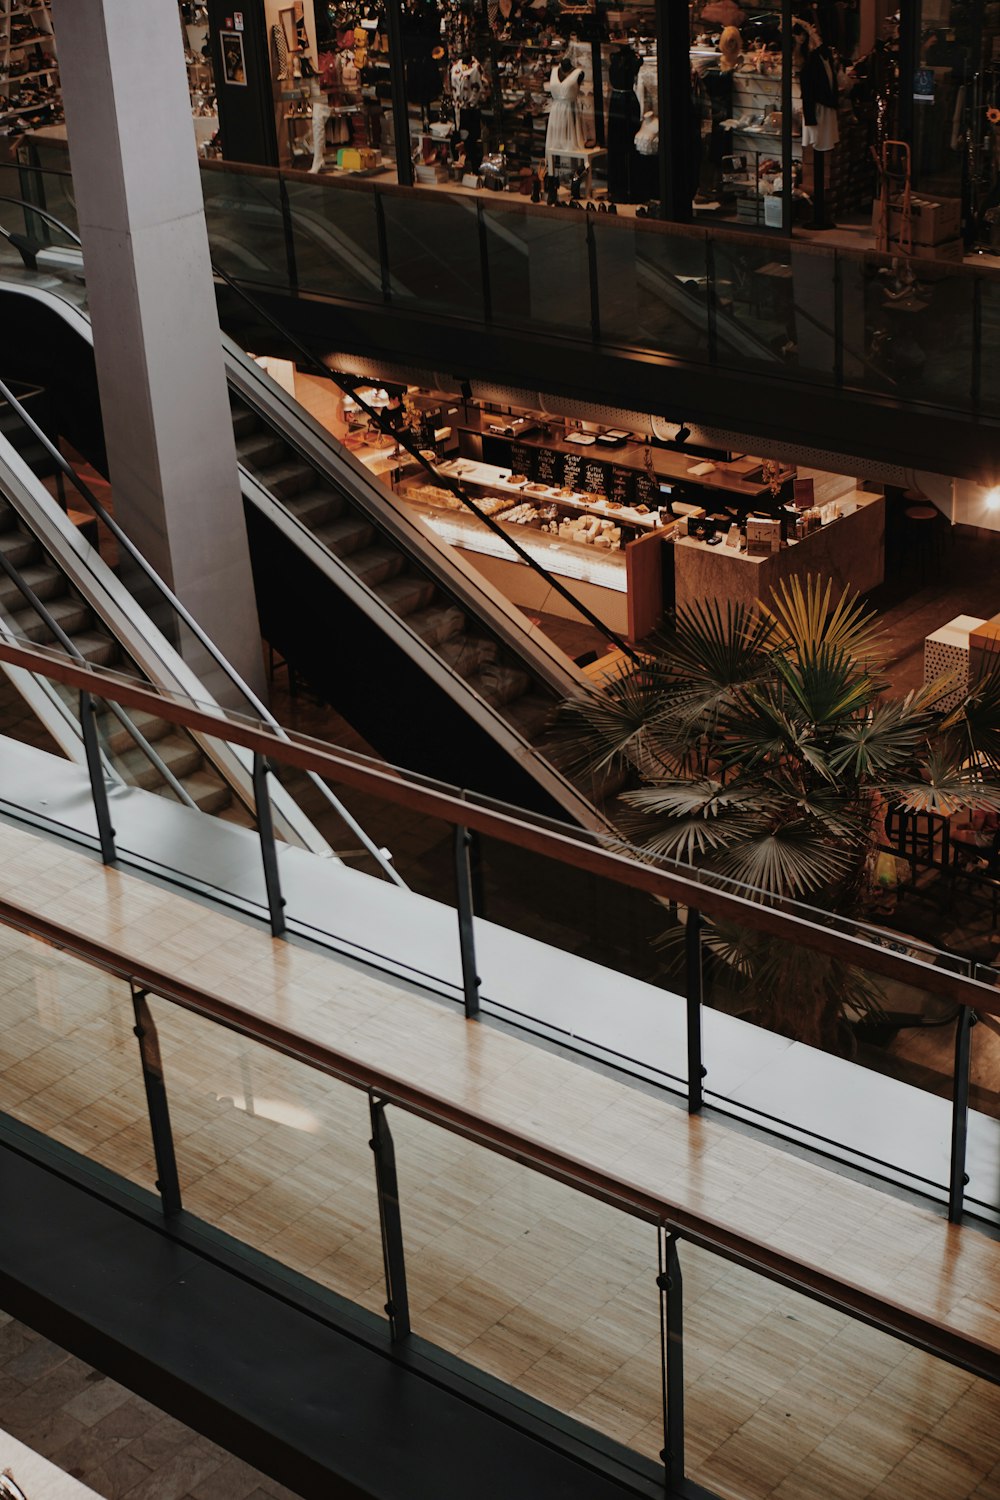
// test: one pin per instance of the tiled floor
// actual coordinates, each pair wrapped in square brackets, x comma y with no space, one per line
[103,1435]
[527,1279]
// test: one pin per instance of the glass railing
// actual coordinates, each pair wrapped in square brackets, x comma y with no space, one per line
[920,330]
[619,1321]
[772,1011]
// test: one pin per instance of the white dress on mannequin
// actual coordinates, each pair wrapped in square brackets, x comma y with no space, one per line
[564,133]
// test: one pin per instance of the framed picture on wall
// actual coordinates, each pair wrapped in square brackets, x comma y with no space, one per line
[234,63]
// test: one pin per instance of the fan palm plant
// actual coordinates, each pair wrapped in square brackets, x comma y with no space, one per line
[761,746]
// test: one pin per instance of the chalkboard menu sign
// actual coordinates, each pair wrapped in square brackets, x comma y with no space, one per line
[572,464]
[623,486]
[550,467]
[595,478]
[523,460]
[647,491]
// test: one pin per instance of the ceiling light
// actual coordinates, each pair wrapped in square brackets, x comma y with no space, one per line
[993,498]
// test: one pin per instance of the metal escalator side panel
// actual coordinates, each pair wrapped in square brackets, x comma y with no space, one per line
[339,466]
[162,664]
[138,635]
[415,540]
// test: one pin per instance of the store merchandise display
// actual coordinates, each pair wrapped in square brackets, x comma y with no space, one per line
[30,96]
[344,95]
[201,76]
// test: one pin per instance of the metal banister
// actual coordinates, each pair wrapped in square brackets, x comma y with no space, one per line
[719,1238]
[783,919]
[166,593]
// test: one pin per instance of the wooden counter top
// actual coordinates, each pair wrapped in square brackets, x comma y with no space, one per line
[667,463]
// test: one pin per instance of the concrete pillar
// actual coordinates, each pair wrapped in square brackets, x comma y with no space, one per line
[170,443]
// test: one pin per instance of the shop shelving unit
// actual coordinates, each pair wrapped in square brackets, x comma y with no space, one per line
[29,68]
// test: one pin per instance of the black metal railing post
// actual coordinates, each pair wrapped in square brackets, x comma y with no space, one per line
[710,302]
[671,1286]
[694,972]
[167,1181]
[838,321]
[976,374]
[397,1305]
[288,230]
[958,1176]
[268,849]
[98,790]
[382,238]
[484,264]
[593,278]
[466,921]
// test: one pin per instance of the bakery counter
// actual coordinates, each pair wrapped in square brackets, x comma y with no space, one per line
[519,487]
[598,577]
[848,550]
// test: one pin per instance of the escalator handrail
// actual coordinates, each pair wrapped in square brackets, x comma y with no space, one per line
[44,214]
[262,712]
[348,384]
[71,649]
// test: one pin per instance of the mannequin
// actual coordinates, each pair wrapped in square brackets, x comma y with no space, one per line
[502,14]
[320,115]
[647,166]
[564,133]
[467,93]
[624,118]
[718,82]
[820,129]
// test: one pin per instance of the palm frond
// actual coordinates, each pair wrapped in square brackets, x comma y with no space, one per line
[883,739]
[804,620]
[977,717]
[723,649]
[791,860]
[825,683]
[941,786]
[614,727]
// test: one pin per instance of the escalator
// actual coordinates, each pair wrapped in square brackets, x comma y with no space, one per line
[428,662]
[56,591]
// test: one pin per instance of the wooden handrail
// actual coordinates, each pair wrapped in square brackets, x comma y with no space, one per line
[714,1235]
[780,919]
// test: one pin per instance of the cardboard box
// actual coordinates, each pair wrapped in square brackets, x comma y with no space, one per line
[932,221]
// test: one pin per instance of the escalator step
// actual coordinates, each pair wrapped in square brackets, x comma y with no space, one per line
[529,714]
[149,726]
[69,614]
[99,650]
[18,548]
[179,756]
[376,564]
[259,450]
[468,654]
[42,578]
[439,623]
[499,685]
[8,515]
[408,594]
[314,508]
[289,478]
[244,422]
[210,794]
[351,534]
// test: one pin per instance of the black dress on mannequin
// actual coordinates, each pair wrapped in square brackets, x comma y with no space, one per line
[624,119]
[421,32]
